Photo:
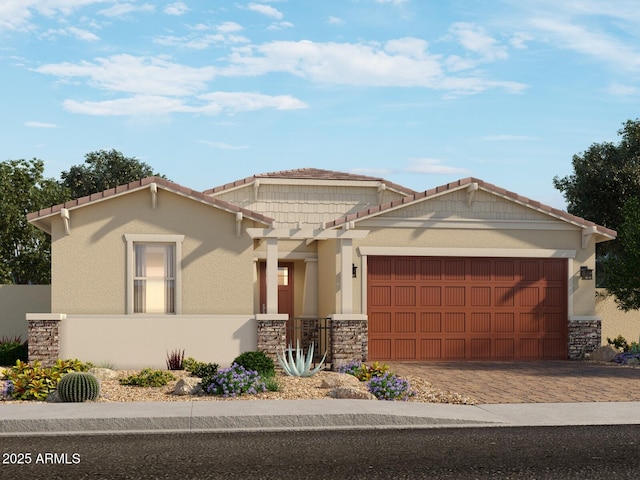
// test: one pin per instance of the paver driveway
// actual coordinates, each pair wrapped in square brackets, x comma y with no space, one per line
[530,382]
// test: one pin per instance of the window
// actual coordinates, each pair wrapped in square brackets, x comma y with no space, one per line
[154,279]
[153,273]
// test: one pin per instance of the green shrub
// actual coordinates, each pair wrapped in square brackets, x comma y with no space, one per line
[257,361]
[34,382]
[12,350]
[78,387]
[148,378]
[200,369]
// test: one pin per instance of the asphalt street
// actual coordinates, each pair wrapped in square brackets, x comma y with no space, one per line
[569,452]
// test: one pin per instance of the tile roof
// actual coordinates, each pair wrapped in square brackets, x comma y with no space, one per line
[311,174]
[145,182]
[527,202]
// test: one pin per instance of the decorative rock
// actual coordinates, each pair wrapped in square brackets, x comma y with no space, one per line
[335,379]
[605,353]
[103,373]
[351,393]
[188,386]
[53,397]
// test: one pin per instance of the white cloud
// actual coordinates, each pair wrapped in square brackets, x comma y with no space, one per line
[519,39]
[78,33]
[234,102]
[32,124]
[122,9]
[431,166]
[474,39]
[208,104]
[137,75]
[335,21]
[224,146]
[177,9]
[17,14]
[229,27]
[395,2]
[267,10]
[619,89]
[280,25]
[603,46]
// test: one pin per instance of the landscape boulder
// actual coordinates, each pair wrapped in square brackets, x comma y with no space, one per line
[188,386]
[103,373]
[351,393]
[605,353]
[335,379]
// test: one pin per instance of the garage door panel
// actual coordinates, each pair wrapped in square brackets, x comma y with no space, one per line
[504,322]
[454,296]
[405,322]
[430,349]
[405,296]
[432,308]
[431,322]
[480,322]
[454,322]
[380,322]
[454,349]
[480,296]
[431,296]
[481,348]
[380,296]
[405,349]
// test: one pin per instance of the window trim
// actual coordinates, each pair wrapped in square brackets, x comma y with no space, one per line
[131,267]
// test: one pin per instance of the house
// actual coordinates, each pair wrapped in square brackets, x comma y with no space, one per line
[465,271]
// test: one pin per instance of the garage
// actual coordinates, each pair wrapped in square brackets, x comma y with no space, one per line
[477,308]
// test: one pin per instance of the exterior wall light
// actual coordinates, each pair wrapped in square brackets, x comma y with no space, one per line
[586,273]
[354,270]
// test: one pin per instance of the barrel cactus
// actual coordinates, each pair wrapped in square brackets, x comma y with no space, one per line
[78,387]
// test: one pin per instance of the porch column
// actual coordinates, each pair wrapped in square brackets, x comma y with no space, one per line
[346,280]
[272,275]
[44,336]
[310,291]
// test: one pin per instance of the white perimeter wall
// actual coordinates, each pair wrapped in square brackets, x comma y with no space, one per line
[136,342]
[16,301]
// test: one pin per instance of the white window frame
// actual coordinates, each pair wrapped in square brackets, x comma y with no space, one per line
[175,240]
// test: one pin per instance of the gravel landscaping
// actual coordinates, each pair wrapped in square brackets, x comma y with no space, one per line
[291,388]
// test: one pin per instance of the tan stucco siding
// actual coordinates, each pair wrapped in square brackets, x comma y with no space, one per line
[89,264]
[18,300]
[615,321]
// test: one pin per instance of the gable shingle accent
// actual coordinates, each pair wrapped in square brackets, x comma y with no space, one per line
[488,187]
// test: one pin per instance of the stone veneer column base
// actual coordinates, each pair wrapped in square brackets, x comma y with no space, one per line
[272,333]
[349,339]
[44,337]
[585,335]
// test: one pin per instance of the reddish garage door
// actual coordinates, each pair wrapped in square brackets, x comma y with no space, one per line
[440,308]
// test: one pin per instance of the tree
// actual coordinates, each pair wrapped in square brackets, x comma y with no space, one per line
[622,267]
[25,251]
[103,170]
[604,179]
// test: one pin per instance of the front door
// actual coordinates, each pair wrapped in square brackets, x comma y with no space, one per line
[285,293]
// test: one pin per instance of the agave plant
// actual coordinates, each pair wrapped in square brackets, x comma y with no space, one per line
[300,366]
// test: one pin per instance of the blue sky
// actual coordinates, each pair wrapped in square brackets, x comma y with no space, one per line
[421,92]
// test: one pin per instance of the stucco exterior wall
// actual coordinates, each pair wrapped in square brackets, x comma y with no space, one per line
[18,300]
[615,321]
[327,277]
[141,341]
[89,264]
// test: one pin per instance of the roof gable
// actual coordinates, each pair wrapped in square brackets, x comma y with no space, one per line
[310,174]
[466,189]
[40,217]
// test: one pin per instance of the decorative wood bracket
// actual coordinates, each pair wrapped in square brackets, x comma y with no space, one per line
[471,190]
[153,188]
[239,224]
[381,188]
[587,233]
[64,213]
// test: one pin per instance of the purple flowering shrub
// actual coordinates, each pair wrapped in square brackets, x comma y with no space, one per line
[351,368]
[7,389]
[627,358]
[234,381]
[389,386]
